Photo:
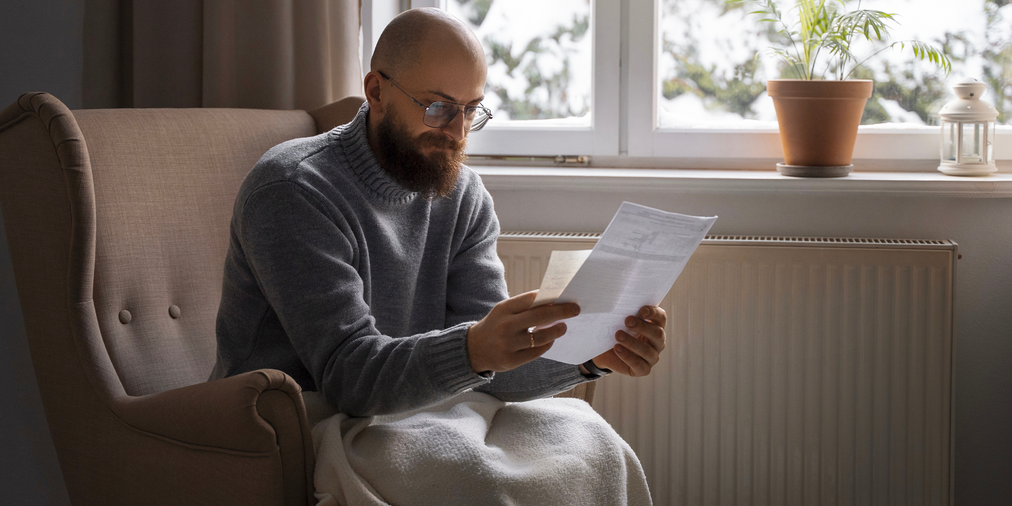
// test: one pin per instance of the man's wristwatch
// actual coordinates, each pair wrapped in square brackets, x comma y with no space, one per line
[592,368]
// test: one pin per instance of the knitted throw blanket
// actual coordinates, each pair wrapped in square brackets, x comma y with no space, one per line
[474,449]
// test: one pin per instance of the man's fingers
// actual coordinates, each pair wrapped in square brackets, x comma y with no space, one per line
[636,365]
[652,332]
[519,303]
[654,314]
[636,354]
[547,335]
[502,340]
[548,314]
[638,347]
[535,352]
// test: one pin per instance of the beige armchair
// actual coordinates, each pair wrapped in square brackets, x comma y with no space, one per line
[117,223]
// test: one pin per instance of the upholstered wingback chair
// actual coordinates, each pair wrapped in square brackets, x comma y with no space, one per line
[117,224]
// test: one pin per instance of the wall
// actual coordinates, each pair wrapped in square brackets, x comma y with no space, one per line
[41,41]
[981,226]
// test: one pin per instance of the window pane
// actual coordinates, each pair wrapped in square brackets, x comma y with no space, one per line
[539,55]
[709,76]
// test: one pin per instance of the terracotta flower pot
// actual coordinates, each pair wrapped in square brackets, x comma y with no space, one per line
[818,124]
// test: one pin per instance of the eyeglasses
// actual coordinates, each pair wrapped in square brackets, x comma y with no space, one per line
[439,114]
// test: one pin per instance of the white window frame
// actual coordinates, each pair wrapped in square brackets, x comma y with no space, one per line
[731,147]
[630,137]
[600,139]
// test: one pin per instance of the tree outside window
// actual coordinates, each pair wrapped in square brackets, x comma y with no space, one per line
[710,75]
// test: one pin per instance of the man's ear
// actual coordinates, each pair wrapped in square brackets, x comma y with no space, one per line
[373,92]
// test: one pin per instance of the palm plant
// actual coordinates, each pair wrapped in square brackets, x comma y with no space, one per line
[822,26]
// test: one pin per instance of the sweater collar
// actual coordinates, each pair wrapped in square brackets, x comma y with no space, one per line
[354,141]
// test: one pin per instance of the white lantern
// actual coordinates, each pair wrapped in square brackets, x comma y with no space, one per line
[968,132]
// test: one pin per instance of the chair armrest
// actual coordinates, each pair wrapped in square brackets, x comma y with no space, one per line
[220,414]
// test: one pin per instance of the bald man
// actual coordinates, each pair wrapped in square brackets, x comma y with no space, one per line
[362,261]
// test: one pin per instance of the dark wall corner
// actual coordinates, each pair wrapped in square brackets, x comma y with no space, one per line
[42,49]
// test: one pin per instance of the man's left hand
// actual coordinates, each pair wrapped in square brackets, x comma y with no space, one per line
[639,346]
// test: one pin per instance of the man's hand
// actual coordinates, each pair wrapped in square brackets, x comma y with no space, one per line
[500,341]
[639,347]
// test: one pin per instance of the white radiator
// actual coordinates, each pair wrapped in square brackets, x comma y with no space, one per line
[797,371]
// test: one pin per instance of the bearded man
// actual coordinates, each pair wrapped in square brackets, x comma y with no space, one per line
[362,262]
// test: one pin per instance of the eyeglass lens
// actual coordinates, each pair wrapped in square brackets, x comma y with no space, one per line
[440,114]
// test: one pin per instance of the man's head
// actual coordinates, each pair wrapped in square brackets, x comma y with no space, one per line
[428,56]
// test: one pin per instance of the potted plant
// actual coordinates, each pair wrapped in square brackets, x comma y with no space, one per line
[820,109]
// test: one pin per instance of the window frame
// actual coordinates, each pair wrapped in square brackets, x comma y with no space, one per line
[600,139]
[624,130]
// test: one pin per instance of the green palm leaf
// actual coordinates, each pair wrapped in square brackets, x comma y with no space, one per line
[822,27]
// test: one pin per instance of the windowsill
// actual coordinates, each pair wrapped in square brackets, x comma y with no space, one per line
[503,178]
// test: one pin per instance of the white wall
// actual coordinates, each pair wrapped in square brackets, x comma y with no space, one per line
[981,226]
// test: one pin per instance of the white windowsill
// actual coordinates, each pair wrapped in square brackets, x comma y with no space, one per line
[500,178]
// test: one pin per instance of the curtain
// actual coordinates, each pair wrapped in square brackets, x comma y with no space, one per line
[268,54]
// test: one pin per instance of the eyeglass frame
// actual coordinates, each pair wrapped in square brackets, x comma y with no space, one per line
[456,110]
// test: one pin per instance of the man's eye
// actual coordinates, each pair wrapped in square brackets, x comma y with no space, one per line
[438,108]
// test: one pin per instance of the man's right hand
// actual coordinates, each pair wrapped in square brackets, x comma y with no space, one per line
[500,341]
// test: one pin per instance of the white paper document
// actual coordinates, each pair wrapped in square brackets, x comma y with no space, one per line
[634,264]
[562,266]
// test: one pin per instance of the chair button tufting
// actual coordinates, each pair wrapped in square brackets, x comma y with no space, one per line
[174,311]
[125,316]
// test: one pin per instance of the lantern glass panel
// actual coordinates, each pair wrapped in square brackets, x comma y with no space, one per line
[973,143]
[990,142]
[949,141]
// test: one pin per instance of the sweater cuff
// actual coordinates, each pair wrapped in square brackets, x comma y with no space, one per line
[451,369]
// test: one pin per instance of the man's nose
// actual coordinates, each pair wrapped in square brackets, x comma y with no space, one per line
[455,128]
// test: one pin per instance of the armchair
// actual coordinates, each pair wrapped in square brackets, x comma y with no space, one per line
[117,223]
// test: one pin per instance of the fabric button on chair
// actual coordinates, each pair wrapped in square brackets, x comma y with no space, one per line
[125,317]
[174,311]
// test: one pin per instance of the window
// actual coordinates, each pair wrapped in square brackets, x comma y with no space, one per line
[709,91]
[545,88]
[539,67]
[688,88]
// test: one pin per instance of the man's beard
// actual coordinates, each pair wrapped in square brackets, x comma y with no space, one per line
[400,156]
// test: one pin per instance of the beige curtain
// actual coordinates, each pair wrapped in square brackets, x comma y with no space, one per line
[268,54]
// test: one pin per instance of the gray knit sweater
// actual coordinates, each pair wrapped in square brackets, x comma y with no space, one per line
[360,289]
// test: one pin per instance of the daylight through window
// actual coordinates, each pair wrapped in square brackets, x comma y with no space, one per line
[709,75]
[539,58]
[690,87]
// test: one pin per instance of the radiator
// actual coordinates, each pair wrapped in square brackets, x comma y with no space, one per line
[811,371]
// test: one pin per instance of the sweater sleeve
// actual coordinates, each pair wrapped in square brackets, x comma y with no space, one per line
[303,256]
[476,283]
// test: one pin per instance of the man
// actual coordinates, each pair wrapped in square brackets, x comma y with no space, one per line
[362,262]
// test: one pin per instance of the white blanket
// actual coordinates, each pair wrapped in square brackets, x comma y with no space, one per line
[476,450]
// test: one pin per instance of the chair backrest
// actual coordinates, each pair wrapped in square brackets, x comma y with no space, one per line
[144,197]
[165,181]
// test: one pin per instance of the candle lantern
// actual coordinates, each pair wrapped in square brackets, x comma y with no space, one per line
[968,132]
